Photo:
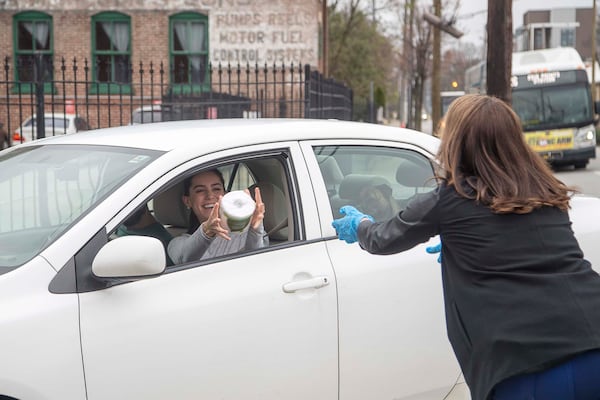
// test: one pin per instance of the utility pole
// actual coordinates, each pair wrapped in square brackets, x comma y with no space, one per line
[594,52]
[499,53]
[325,24]
[402,112]
[436,112]
[411,78]
[439,25]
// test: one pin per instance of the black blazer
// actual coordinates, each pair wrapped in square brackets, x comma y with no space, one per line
[519,296]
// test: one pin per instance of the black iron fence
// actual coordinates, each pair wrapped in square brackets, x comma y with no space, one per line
[71,98]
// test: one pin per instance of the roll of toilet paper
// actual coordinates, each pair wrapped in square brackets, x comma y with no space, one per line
[236,210]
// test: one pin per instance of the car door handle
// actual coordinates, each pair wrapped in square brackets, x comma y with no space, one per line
[313,283]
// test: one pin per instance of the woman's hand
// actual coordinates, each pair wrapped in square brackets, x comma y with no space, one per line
[259,211]
[212,226]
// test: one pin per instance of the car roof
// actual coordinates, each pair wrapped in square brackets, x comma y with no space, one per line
[58,115]
[153,107]
[221,134]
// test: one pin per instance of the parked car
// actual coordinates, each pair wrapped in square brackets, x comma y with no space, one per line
[86,314]
[54,124]
[146,114]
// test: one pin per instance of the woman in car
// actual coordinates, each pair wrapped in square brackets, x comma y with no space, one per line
[522,303]
[207,237]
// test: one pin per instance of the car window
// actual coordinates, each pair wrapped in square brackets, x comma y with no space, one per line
[146,116]
[172,215]
[379,181]
[57,123]
[46,188]
[237,176]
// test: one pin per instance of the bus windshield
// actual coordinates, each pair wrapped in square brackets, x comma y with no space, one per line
[553,107]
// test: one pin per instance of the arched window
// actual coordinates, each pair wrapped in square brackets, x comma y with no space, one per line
[188,52]
[111,53]
[33,49]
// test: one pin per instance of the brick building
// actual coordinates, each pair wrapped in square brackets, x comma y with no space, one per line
[112,46]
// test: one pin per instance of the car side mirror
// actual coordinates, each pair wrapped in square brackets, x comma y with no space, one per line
[130,257]
[597,107]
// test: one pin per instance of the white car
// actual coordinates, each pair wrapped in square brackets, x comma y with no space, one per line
[54,124]
[88,314]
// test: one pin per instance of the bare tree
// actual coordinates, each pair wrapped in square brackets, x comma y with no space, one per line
[353,8]
[455,61]
[422,56]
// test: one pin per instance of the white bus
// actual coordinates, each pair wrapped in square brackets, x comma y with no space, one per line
[551,93]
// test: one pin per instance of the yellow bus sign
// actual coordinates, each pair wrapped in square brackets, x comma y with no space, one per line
[552,140]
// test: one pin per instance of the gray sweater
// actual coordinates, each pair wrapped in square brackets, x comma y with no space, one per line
[198,246]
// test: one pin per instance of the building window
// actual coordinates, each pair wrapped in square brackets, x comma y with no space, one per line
[538,39]
[567,37]
[111,53]
[188,49]
[33,52]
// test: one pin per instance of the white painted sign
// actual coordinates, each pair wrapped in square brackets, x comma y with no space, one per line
[263,31]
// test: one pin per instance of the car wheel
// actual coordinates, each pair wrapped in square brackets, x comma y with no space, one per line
[580,164]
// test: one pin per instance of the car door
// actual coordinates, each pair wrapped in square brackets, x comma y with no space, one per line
[392,337]
[247,326]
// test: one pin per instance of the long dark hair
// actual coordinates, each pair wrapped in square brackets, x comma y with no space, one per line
[483,150]
[187,183]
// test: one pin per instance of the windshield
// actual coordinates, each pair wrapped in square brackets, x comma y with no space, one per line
[44,189]
[553,107]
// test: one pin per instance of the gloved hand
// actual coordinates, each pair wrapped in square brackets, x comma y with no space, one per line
[347,226]
[435,249]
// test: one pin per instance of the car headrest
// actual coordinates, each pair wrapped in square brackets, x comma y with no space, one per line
[415,173]
[169,208]
[276,210]
[332,174]
[353,184]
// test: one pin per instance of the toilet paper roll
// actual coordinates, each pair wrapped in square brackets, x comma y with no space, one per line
[236,210]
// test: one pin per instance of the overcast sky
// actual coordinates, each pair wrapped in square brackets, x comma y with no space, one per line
[474,26]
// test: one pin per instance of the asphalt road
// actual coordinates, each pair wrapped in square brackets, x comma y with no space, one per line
[586,180]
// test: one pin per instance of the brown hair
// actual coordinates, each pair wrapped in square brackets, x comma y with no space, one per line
[483,148]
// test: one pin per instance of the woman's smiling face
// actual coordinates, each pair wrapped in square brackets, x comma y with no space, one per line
[205,190]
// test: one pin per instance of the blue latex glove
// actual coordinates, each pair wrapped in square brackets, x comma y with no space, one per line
[347,226]
[436,249]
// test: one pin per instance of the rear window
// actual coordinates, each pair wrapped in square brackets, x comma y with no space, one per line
[57,123]
[49,122]
[146,116]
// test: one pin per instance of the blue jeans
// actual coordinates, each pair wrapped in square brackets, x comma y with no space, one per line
[575,379]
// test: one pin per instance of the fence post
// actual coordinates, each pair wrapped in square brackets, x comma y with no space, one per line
[39,96]
[307,91]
